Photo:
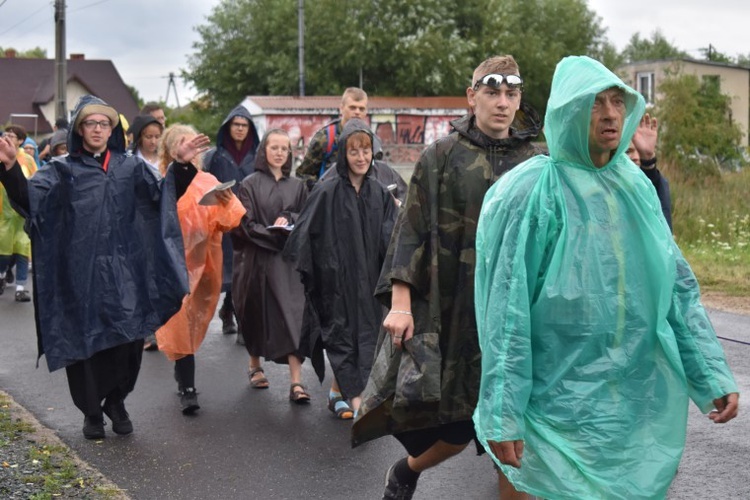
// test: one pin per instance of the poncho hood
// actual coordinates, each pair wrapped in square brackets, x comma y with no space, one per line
[261,160]
[116,140]
[575,84]
[240,111]
[139,123]
[352,126]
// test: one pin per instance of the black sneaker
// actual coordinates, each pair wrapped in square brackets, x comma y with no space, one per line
[395,490]
[189,401]
[226,315]
[23,296]
[117,413]
[2,285]
[93,428]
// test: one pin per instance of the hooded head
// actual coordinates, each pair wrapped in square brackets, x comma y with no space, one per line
[261,158]
[86,106]
[59,138]
[138,126]
[579,84]
[352,127]
[29,145]
[224,136]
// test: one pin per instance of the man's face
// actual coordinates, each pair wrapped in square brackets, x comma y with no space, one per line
[633,154]
[239,128]
[160,116]
[95,130]
[494,109]
[605,127]
[353,109]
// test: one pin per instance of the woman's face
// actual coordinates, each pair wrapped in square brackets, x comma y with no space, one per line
[277,150]
[30,150]
[359,154]
[149,141]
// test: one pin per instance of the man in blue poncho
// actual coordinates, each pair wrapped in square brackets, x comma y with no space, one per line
[592,333]
[108,258]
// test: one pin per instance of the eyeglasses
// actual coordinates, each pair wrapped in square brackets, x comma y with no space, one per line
[91,124]
[239,125]
[494,80]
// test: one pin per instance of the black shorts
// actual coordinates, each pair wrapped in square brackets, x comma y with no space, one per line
[418,441]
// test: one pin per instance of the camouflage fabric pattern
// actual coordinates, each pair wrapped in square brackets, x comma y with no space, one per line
[316,150]
[433,250]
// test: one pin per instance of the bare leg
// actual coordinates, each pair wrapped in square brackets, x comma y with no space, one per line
[335,385]
[295,369]
[507,491]
[435,454]
[254,362]
[356,402]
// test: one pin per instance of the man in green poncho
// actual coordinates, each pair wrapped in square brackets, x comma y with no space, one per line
[592,333]
[428,282]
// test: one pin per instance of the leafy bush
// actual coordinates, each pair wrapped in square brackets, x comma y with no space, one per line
[697,131]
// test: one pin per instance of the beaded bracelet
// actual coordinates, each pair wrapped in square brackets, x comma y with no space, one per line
[394,311]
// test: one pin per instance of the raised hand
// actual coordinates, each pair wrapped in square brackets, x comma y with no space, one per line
[8,152]
[189,149]
[646,136]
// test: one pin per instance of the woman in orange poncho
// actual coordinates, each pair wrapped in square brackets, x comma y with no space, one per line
[202,228]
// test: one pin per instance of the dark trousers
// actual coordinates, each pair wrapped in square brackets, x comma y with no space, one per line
[108,374]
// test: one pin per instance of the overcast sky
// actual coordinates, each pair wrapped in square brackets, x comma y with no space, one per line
[148,39]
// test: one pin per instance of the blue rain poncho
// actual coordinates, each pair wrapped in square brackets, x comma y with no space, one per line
[590,323]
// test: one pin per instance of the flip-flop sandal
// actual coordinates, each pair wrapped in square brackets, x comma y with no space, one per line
[258,383]
[299,397]
[340,408]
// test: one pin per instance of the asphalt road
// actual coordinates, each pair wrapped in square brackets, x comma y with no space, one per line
[254,444]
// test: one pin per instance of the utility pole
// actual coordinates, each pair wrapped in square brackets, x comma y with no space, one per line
[171,85]
[301,35]
[61,63]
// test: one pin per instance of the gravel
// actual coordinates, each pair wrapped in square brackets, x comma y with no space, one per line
[35,463]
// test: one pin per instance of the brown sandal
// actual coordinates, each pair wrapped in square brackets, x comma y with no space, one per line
[258,383]
[299,397]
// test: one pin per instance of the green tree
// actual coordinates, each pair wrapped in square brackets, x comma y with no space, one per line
[711,54]
[645,49]
[35,53]
[697,128]
[415,48]
[539,33]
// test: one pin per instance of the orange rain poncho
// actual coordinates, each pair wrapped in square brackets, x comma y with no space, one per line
[202,228]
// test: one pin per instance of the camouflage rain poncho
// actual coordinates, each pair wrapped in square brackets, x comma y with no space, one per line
[591,328]
[432,249]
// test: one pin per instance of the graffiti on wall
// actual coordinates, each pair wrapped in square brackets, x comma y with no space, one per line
[403,136]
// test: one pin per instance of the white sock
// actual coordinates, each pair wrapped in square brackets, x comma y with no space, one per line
[19,288]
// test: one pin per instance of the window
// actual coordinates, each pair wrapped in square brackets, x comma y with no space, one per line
[645,85]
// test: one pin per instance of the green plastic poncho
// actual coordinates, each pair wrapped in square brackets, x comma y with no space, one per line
[590,323]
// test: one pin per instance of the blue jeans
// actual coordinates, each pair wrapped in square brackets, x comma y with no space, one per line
[22,267]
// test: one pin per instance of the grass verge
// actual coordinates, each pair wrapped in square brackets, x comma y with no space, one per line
[36,464]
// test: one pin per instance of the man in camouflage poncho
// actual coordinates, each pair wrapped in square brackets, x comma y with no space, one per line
[428,282]
[321,151]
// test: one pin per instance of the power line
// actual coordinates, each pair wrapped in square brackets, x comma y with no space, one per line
[24,19]
[89,5]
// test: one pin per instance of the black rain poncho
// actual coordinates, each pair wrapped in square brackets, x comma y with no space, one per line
[339,244]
